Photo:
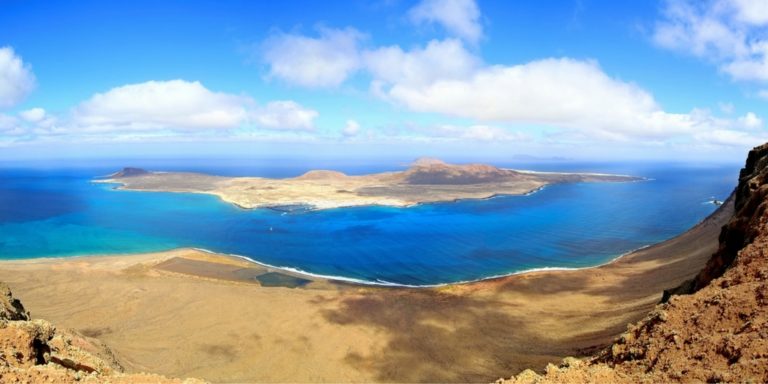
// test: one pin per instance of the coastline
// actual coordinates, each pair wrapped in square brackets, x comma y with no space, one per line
[382,283]
[213,318]
[121,186]
[316,276]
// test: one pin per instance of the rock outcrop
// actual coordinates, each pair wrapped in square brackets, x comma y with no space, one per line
[718,332]
[744,228]
[34,351]
[10,307]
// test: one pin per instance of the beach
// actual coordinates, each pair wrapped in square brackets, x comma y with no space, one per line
[188,313]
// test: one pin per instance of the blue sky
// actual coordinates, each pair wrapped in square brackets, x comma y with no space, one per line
[591,80]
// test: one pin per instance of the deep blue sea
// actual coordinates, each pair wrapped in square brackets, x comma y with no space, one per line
[56,211]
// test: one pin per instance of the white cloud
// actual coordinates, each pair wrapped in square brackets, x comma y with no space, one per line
[161,109]
[488,133]
[731,33]
[180,105]
[285,114]
[439,60]
[7,122]
[39,121]
[33,115]
[460,18]
[10,126]
[328,60]
[750,11]
[352,128]
[750,67]
[444,77]
[556,92]
[743,132]
[732,138]
[751,121]
[485,133]
[16,78]
[170,108]
[323,61]
[460,133]
[176,104]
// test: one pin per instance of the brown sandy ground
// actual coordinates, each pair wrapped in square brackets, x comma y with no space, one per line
[716,330]
[34,351]
[187,313]
[427,180]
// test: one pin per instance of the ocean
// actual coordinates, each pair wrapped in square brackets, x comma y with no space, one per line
[56,211]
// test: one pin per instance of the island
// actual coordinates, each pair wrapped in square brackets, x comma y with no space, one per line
[425,181]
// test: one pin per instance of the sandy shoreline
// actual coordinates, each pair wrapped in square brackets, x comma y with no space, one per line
[190,313]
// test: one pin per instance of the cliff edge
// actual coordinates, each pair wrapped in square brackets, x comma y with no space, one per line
[718,331]
[34,351]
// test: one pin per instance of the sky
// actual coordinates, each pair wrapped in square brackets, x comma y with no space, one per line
[459,79]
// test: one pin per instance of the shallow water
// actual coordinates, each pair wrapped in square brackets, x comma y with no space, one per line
[60,212]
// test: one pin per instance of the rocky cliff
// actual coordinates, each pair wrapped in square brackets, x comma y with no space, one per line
[718,331]
[34,351]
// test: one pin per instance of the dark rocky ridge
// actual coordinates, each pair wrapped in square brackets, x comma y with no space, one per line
[129,172]
[750,207]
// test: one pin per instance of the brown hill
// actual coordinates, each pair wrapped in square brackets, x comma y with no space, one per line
[437,172]
[323,175]
[716,330]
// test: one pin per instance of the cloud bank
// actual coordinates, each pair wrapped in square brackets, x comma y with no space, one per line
[16,78]
[460,18]
[574,98]
[733,34]
[174,108]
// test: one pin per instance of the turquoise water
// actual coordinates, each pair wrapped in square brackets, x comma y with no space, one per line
[60,212]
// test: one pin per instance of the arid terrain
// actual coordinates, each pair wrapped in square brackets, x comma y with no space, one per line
[188,313]
[427,180]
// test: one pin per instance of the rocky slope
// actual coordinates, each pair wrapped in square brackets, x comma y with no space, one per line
[717,329]
[34,351]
